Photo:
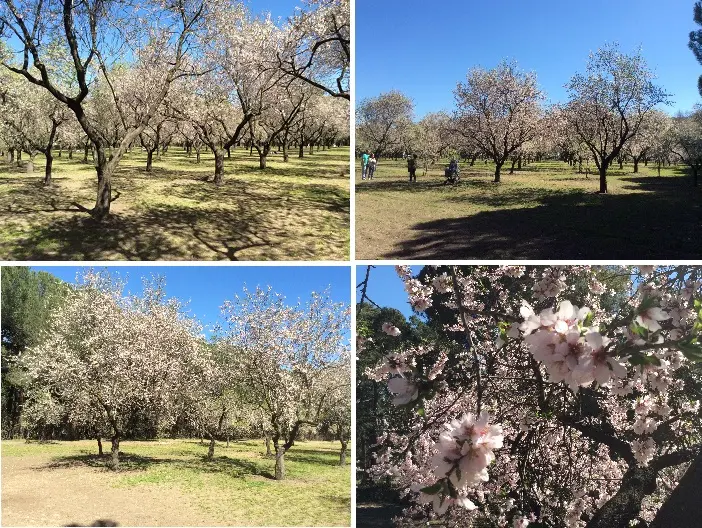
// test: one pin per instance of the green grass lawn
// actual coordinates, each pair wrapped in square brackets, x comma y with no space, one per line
[297,210]
[545,211]
[235,488]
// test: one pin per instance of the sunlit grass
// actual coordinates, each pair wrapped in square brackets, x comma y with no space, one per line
[295,210]
[547,210]
[235,488]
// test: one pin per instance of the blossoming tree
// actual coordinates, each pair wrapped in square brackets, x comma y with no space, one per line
[564,396]
[105,354]
[293,360]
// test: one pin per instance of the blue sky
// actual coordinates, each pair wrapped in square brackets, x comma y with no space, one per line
[207,287]
[385,288]
[424,50]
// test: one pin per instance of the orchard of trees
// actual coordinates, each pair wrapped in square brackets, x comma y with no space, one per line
[535,396]
[90,361]
[97,79]
[613,114]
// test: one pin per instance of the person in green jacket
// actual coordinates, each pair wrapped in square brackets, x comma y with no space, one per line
[364,164]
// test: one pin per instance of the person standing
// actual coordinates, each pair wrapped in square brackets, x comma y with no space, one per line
[412,167]
[372,163]
[364,164]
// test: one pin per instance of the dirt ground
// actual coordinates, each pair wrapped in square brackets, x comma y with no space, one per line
[30,498]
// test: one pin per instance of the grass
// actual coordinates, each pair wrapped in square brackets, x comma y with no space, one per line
[297,210]
[545,211]
[235,488]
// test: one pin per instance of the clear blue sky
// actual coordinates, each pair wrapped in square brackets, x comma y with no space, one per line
[385,288]
[207,287]
[424,49]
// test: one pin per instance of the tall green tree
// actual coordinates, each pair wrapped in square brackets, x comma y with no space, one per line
[695,43]
[28,297]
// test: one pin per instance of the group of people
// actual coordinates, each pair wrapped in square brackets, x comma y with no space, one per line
[368,165]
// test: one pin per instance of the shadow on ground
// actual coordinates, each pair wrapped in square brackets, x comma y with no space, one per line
[662,221]
[229,465]
[376,507]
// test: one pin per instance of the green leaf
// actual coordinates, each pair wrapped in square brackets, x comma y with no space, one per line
[637,329]
[433,489]
[588,319]
[420,411]
[691,349]
[638,358]
[646,303]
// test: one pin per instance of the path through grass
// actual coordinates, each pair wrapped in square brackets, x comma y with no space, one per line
[297,210]
[169,483]
[546,211]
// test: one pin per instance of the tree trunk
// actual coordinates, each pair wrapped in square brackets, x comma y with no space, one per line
[262,160]
[280,463]
[210,451]
[511,169]
[342,454]
[229,152]
[30,165]
[99,441]
[219,166]
[47,170]
[104,190]
[603,178]
[519,163]
[285,150]
[625,505]
[115,453]
[149,159]
[498,166]
[636,165]
[70,153]
[301,153]
[268,445]
[683,507]
[86,150]
[197,159]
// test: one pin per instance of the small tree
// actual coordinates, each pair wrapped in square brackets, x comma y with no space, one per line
[687,142]
[499,109]
[287,357]
[610,102]
[381,121]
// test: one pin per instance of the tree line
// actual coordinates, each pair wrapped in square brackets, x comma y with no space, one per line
[91,361]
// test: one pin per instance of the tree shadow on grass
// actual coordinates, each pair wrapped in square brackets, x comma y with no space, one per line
[144,236]
[127,462]
[283,220]
[655,225]
[236,467]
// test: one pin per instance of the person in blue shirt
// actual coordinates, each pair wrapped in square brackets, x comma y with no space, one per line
[364,164]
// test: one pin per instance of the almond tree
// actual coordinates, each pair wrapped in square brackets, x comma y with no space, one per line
[381,121]
[95,33]
[654,126]
[106,354]
[609,103]
[687,142]
[291,360]
[563,396]
[317,46]
[499,110]
[34,117]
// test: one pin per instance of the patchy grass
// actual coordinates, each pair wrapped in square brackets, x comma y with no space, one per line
[545,211]
[48,482]
[297,210]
